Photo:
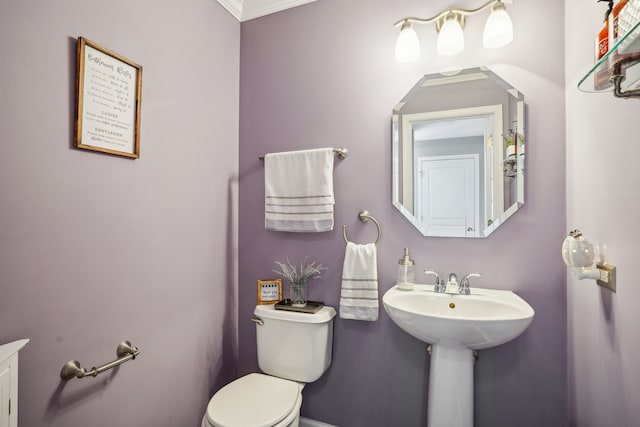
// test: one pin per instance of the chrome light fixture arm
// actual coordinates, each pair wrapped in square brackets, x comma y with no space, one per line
[498,30]
[440,16]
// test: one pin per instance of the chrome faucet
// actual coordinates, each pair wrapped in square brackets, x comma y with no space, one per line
[440,287]
[463,288]
[453,282]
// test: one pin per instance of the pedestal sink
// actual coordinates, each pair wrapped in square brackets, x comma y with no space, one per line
[455,325]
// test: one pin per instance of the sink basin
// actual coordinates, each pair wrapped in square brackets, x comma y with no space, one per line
[456,325]
[486,318]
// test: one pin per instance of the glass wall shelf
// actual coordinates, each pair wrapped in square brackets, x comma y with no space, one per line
[615,71]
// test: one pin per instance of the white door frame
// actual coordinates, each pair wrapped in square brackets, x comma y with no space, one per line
[494,147]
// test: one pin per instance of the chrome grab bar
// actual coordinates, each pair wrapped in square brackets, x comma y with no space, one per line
[125,352]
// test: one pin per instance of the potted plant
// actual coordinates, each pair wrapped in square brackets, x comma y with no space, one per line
[513,143]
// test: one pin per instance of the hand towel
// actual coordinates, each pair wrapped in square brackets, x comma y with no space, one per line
[299,191]
[359,293]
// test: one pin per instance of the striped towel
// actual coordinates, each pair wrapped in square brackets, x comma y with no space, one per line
[299,191]
[359,294]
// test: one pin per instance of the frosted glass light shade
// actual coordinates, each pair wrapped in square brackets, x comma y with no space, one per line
[450,38]
[498,31]
[407,45]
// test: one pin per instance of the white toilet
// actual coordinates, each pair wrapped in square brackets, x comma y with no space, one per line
[293,349]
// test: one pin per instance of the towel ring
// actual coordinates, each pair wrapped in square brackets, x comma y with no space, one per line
[363,216]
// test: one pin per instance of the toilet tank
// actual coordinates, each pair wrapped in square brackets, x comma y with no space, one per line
[292,345]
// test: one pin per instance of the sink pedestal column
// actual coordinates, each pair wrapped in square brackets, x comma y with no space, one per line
[450,400]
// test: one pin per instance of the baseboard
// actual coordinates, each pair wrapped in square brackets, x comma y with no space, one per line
[306,422]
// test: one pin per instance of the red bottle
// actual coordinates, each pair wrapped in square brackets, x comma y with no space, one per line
[602,74]
[603,36]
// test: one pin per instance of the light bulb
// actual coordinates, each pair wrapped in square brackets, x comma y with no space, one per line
[450,39]
[407,45]
[498,31]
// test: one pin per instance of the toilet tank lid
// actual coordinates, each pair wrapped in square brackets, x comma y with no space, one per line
[324,315]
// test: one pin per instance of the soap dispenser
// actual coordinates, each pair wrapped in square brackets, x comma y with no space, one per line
[405,278]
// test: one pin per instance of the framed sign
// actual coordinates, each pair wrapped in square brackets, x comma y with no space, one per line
[108,97]
[269,291]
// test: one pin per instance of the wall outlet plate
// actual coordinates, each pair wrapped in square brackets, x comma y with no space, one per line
[607,276]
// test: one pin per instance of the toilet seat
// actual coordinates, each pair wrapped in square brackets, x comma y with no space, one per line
[255,400]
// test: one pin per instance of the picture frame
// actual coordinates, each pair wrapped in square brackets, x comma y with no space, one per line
[108,101]
[269,291]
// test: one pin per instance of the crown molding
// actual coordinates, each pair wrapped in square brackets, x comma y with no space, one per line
[234,7]
[244,10]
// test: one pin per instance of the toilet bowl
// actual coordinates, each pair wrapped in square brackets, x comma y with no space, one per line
[293,349]
[255,400]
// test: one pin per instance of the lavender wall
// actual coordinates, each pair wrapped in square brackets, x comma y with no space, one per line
[323,74]
[95,249]
[602,200]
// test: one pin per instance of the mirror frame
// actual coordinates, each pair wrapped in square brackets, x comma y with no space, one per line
[501,166]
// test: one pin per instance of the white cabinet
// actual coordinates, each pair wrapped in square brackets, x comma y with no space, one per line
[9,383]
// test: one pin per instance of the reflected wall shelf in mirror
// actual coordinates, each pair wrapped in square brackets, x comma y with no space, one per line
[616,70]
[458,144]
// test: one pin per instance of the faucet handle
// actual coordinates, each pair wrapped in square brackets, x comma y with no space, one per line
[440,286]
[464,283]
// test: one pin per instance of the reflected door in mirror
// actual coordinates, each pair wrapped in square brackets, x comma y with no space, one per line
[447,194]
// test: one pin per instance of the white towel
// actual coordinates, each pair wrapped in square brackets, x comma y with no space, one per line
[299,191]
[359,294]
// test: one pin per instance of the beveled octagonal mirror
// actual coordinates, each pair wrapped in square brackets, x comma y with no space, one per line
[458,153]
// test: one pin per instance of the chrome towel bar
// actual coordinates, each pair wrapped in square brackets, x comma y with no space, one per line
[342,153]
[364,216]
[125,352]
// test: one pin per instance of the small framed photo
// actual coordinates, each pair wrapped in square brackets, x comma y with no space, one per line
[269,291]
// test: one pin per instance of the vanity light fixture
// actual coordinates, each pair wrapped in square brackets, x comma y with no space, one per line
[498,30]
[578,253]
